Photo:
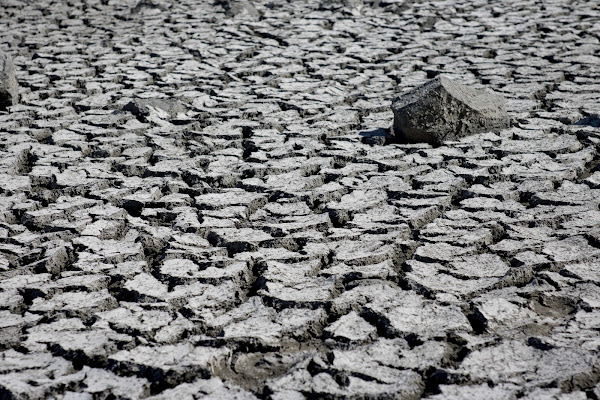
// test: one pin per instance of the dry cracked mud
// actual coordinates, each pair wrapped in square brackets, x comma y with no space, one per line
[203,200]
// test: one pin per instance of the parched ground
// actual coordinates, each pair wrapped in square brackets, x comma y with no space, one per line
[255,231]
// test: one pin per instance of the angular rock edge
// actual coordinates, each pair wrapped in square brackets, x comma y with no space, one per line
[442,109]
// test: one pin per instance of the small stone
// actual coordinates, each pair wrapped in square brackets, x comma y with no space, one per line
[234,8]
[442,109]
[149,4]
[8,82]
[162,108]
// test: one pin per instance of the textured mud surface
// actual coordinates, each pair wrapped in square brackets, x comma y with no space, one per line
[204,200]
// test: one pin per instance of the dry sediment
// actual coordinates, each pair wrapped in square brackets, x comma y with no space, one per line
[197,202]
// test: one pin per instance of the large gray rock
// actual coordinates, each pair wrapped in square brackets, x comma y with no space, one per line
[8,82]
[442,109]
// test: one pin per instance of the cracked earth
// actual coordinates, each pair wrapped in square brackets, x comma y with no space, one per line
[206,201]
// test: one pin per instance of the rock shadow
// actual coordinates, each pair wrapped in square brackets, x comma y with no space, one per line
[591,120]
[379,136]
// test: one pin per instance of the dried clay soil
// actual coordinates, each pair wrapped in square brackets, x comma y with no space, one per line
[196,203]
